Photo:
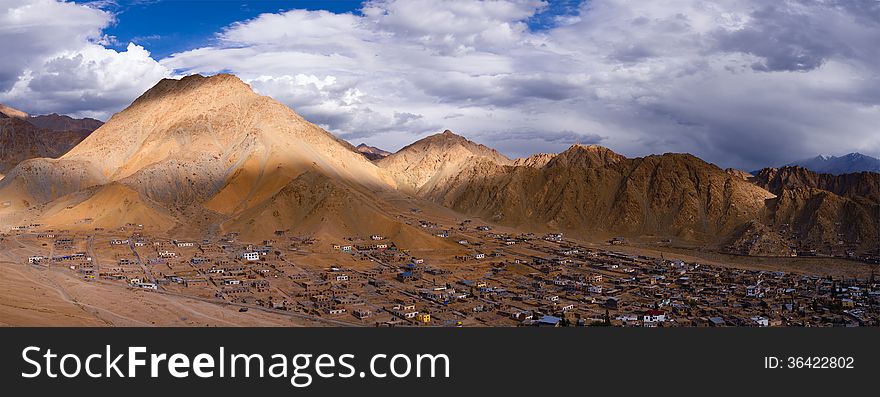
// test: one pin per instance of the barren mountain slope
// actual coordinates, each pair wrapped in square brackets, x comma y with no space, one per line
[57,122]
[372,153]
[8,112]
[200,120]
[824,210]
[430,163]
[823,218]
[535,161]
[739,174]
[21,140]
[591,190]
[865,185]
[203,150]
[585,157]
[318,204]
[206,155]
[108,206]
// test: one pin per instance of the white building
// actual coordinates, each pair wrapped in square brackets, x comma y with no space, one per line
[654,316]
[251,256]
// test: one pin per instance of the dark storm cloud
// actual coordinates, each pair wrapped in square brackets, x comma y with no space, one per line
[565,137]
[518,88]
[864,11]
[403,118]
[632,53]
[785,40]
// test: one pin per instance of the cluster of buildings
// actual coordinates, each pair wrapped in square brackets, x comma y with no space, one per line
[490,279]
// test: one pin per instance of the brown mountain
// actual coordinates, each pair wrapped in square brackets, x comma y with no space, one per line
[19,141]
[207,155]
[856,185]
[372,153]
[535,161]
[739,174]
[22,139]
[592,190]
[8,112]
[56,122]
[432,163]
[824,212]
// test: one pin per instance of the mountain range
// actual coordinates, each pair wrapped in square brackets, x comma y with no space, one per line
[24,137]
[846,164]
[372,152]
[206,155]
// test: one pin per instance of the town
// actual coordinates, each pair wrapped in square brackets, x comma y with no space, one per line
[495,279]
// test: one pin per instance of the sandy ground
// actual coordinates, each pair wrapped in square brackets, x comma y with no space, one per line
[29,299]
[34,295]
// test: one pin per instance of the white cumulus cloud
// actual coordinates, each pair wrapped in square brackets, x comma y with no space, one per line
[55,60]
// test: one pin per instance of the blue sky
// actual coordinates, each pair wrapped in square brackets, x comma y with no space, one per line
[740,83]
[167,26]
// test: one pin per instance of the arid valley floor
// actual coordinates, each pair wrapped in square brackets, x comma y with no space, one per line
[125,277]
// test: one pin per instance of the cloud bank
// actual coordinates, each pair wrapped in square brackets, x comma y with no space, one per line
[55,60]
[745,83]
